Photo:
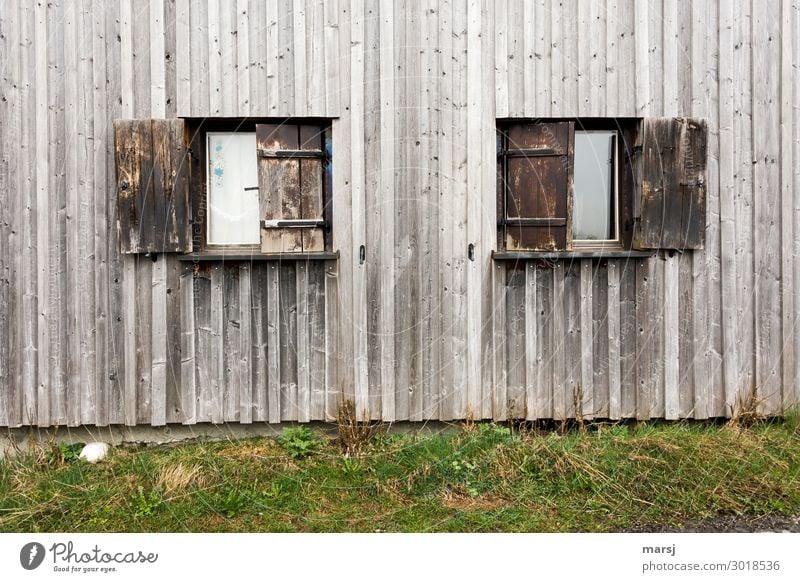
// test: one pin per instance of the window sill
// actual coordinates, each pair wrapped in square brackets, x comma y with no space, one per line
[204,257]
[569,255]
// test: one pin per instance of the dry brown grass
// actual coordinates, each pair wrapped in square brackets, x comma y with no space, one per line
[355,434]
[746,411]
[177,478]
[457,498]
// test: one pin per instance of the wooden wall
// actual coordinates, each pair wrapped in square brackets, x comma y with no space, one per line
[89,336]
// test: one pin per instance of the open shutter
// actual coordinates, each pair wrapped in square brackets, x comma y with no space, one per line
[538,161]
[291,166]
[671,198]
[152,186]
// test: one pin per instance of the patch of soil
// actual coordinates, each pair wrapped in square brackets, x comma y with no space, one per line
[727,524]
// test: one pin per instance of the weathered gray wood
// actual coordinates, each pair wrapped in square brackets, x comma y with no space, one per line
[671,339]
[515,343]
[158,399]
[599,368]
[544,354]
[303,401]
[571,306]
[332,322]
[143,338]
[217,346]
[727,197]
[6,221]
[614,341]
[386,321]
[44,218]
[259,300]
[559,326]
[188,345]
[476,164]
[373,138]
[274,354]
[532,348]
[231,355]
[644,340]
[766,234]
[316,337]
[244,371]
[587,361]
[182,58]
[789,381]
[288,341]
[99,338]
[499,394]
[173,400]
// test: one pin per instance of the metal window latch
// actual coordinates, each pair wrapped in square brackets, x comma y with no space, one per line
[295,223]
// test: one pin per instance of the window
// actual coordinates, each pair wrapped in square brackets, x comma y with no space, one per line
[232,187]
[601,184]
[595,220]
[261,186]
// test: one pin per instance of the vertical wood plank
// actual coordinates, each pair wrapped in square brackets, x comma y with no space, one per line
[216,353]
[246,345]
[559,348]
[288,341]
[727,194]
[386,320]
[230,378]
[43,220]
[475,196]
[671,332]
[259,299]
[316,334]
[300,106]
[273,343]
[332,323]
[158,399]
[244,60]
[532,387]
[303,344]
[499,401]
[787,290]
[587,362]
[614,337]
[183,58]
[188,331]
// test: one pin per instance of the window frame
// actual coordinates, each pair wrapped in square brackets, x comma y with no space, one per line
[614,243]
[198,129]
[627,154]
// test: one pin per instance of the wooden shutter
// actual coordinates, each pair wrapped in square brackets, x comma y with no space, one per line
[538,161]
[152,186]
[671,205]
[291,166]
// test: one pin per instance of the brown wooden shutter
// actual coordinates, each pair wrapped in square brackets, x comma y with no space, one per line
[538,161]
[152,186]
[672,197]
[291,166]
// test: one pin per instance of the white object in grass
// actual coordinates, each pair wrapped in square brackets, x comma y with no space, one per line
[94,452]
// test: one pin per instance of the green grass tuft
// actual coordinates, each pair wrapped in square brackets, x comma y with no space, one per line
[485,477]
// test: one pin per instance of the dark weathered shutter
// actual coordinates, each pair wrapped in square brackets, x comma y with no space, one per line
[291,166]
[538,160]
[152,186]
[671,198]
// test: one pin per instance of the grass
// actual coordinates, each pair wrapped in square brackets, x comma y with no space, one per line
[483,477]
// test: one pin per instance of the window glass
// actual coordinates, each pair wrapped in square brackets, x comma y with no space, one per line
[594,189]
[232,189]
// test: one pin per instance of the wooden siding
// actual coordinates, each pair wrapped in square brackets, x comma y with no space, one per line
[417,330]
